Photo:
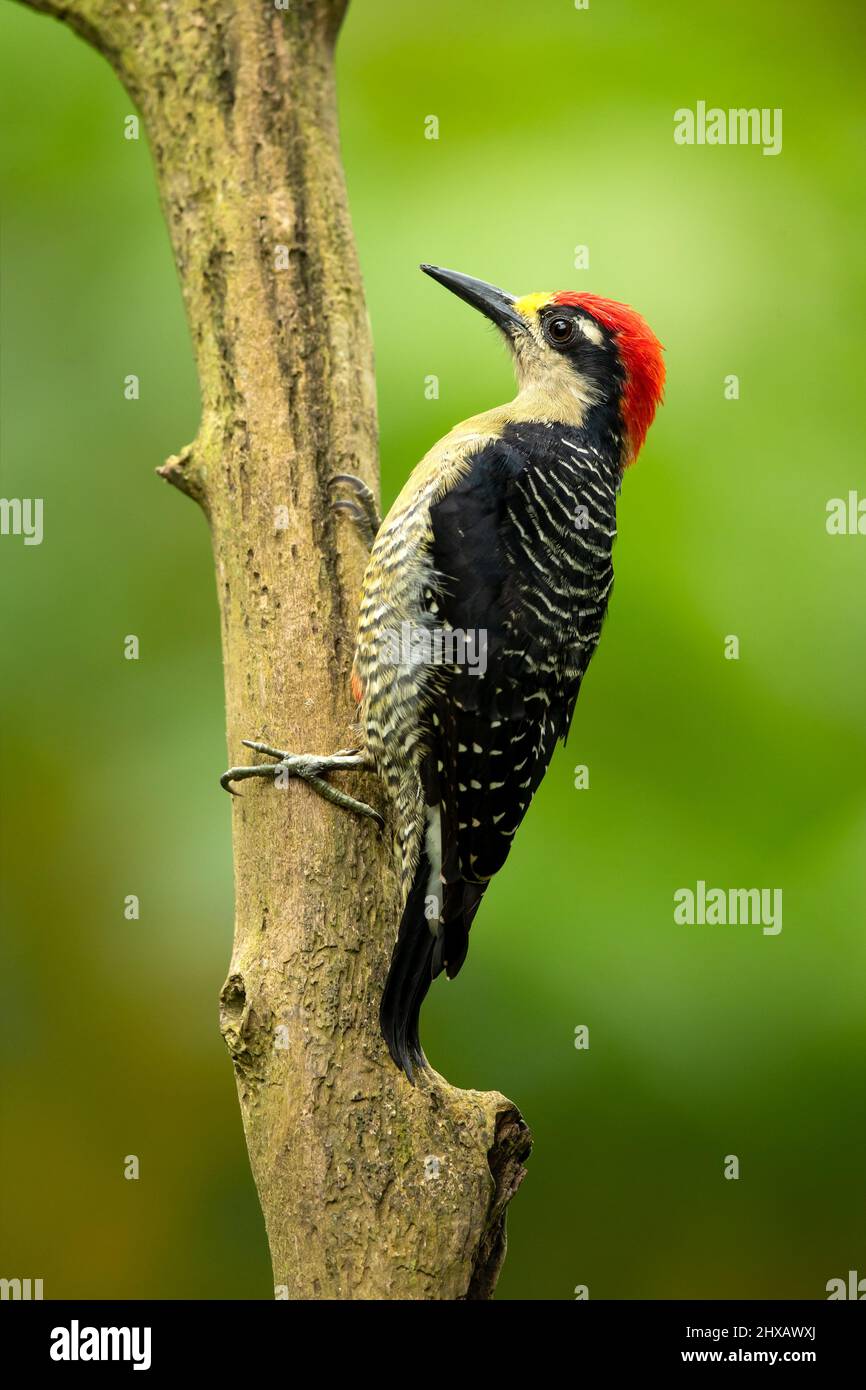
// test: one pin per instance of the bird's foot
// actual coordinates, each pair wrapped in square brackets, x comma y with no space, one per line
[360,509]
[311,768]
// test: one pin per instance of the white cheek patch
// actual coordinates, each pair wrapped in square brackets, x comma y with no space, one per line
[591,331]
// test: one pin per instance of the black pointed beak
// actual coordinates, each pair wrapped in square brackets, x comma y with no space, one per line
[495,304]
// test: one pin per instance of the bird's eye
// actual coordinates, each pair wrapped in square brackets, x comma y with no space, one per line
[560,331]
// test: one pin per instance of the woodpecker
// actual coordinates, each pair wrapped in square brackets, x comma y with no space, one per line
[502,538]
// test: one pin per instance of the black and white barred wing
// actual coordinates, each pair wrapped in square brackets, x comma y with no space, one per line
[495,722]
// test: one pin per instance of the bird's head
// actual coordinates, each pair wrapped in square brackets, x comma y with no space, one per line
[575,353]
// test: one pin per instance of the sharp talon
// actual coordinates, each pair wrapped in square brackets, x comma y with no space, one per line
[366,527]
[351,480]
[310,768]
[343,504]
[348,803]
[239,774]
[363,511]
[265,748]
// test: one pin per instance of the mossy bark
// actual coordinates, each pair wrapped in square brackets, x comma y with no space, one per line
[369,1188]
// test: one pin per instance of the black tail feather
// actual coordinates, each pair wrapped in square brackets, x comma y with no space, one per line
[410,975]
[419,956]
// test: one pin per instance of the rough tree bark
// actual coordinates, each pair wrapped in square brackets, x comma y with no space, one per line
[370,1188]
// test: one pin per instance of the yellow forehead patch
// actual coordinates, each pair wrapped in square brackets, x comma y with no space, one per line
[530,304]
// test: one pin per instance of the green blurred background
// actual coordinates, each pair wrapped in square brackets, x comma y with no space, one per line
[555,130]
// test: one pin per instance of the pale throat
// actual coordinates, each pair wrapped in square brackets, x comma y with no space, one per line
[556,396]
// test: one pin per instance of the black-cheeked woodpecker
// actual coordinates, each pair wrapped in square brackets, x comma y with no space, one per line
[503,536]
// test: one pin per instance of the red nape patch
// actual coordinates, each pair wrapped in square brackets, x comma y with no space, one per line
[641,354]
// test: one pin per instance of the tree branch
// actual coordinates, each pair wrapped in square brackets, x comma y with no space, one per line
[370,1188]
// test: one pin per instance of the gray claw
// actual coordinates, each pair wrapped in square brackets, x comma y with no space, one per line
[311,769]
[362,510]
